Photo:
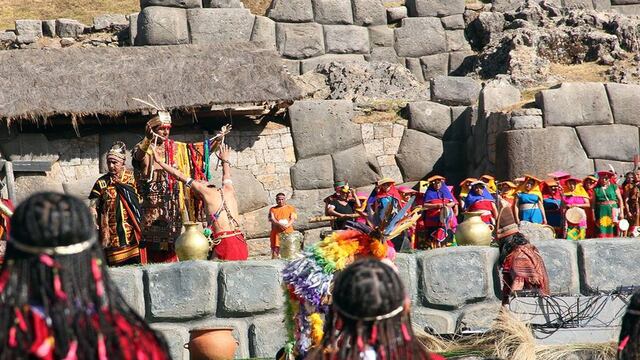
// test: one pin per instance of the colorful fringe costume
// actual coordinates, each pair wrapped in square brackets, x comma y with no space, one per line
[308,280]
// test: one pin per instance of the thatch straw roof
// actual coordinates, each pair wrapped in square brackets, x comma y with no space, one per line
[102,81]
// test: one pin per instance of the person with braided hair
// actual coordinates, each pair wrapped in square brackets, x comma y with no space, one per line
[57,300]
[370,317]
[629,346]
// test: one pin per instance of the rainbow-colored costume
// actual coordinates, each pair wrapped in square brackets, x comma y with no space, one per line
[308,280]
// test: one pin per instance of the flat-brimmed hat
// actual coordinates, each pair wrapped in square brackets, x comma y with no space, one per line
[436,177]
[605,173]
[478,182]
[386,181]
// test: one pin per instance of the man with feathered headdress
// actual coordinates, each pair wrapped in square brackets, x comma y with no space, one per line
[116,206]
[161,210]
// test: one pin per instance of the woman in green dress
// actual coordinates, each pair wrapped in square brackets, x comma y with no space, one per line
[608,206]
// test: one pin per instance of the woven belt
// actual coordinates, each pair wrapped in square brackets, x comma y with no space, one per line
[610,202]
[528,206]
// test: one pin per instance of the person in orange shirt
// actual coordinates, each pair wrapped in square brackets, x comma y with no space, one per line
[281,218]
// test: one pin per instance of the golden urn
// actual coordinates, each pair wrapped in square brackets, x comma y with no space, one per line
[474,231]
[192,244]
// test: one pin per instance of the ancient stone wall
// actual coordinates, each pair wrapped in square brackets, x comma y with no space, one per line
[449,288]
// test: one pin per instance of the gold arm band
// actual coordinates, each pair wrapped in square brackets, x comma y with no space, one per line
[144,145]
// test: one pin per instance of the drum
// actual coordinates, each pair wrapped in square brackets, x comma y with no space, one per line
[623,225]
[575,216]
[290,244]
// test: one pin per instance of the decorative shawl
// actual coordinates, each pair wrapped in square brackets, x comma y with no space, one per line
[465,188]
[444,193]
[491,183]
[473,198]
[535,190]
[579,191]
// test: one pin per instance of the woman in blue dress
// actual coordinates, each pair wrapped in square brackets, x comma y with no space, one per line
[528,205]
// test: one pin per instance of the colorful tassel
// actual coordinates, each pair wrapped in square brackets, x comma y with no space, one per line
[4,279]
[623,343]
[45,348]
[72,353]
[47,260]
[374,334]
[12,337]
[316,328]
[97,276]
[57,286]
[102,348]
[405,332]
[360,343]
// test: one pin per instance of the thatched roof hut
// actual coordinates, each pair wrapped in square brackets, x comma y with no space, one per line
[37,84]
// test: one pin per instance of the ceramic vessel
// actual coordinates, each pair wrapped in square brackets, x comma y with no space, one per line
[473,231]
[212,344]
[192,244]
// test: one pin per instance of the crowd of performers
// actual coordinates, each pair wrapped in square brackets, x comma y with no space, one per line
[139,212]
[576,208]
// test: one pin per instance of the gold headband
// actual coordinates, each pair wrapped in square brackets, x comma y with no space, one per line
[54,250]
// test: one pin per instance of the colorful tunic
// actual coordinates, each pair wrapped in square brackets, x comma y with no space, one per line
[552,203]
[481,203]
[119,213]
[285,212]
[605,208]
[528,206]
[439,227]
[576,231]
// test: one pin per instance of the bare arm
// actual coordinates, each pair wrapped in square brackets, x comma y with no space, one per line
[541,207]
[621,203]
[516,210]
[227,184]
[196,186]
[141,153]
[355,198]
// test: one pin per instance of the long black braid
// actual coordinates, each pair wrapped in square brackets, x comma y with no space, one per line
[630,331]
[79,310]
[510,243]
[365,290]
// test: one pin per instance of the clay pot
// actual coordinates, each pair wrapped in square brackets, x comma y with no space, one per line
[473,231]
[192,244]
[212,344]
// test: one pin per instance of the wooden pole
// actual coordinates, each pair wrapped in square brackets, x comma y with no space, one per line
[11,181]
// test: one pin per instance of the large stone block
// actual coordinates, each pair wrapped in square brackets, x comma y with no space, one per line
[497,96]
[621,167]
[453,22]
[183,290]
[408,271]
[184,4]
[253,197]
[454,276]
[456,41]
[429,117]
[222,4]
[432,320]
[628,10]
[356,165]
[346,39]
[254,223]
[110,21]
[380,36]
[29,27]
[162,26]
[606,264]
[267,334]
[397,13]
[291,10]
[455,90]
[313,173]
[128,280]
[69,28]
[385,54]
[308,204]
[561,260]
[432,39]
[461,62]
[369,12]
[264,31]
[597,141]
[80,187]
[313,236]
[220,25]
[435,7]
[413,64]
[313,63]
[332,11]
[624,100]
[176,336]
[249,287]
[505,5]
[460,128]
[323,127]
[300,41]
[479,316]
[434,65]
[541,151]
[575,104]
[417,155]
[133,27]
[536,232]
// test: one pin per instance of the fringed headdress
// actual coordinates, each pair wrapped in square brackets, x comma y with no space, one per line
[118,150]
[162,119]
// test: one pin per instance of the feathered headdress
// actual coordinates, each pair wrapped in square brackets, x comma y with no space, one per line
[118,150]
[163,118]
